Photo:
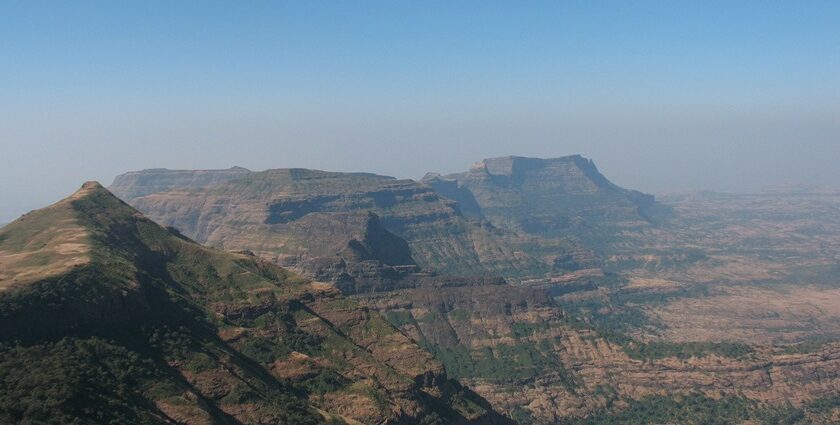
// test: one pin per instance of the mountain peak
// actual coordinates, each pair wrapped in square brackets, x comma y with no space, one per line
[92,184]
[87,188]
[60,235]
[52,235]
[90,265]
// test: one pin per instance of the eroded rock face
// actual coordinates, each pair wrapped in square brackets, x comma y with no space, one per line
[547,197]
[302,215]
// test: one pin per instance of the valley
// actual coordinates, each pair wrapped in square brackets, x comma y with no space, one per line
[766,265]
[530,291]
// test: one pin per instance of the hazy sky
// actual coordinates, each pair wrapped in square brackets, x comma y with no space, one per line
[670,95]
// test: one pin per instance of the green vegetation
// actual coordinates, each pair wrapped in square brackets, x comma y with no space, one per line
[698,409]
[138,328]
[659,350]
[77,380]
[525,329]
[616,318]
[656,298]
[460,315]
[614,328]
[694,410]
[502,363]
[399,318]
[324,382]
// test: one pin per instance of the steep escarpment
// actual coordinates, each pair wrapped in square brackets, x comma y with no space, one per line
[546,197]
[294,215]
[128,322]
[135,184]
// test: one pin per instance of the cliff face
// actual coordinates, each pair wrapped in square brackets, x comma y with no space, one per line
[546,197]
[292,216]
[107,317]
[135,184]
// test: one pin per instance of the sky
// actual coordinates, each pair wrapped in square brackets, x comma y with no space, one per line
[664,95]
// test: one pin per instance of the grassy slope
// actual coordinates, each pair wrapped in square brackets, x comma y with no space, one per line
[135,335]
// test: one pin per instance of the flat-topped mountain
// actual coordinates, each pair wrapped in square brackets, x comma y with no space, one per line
[135,184]
[547,197]
[107,317]
[291,216]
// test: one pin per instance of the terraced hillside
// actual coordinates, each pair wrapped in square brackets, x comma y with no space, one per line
[106,317]
[295,215]
[544,364]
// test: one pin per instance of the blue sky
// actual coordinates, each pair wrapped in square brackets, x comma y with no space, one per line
[670,95]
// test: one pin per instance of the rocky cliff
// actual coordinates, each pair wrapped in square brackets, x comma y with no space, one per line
[547,197]
[106,317]
[135,184]
[292,216]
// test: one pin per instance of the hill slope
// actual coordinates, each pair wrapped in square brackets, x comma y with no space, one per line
[106,317]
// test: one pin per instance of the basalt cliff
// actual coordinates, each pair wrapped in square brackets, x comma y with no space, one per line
[558,197]
[316,220]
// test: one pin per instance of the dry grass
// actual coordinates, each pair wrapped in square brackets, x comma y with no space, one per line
[43,243]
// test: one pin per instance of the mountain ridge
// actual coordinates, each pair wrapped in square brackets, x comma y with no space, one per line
[271,212]
[159,329]
[551,197]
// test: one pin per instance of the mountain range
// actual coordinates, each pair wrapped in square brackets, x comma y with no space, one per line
[525,290]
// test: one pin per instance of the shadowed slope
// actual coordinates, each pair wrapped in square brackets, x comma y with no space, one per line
[154,328]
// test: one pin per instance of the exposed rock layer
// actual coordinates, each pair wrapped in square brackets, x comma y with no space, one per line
[546,197]
[296,214]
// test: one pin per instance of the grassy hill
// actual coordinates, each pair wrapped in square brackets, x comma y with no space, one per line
[107,317]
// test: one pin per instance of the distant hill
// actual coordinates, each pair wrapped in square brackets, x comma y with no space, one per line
[107,317]
[556,197]
[295,216]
